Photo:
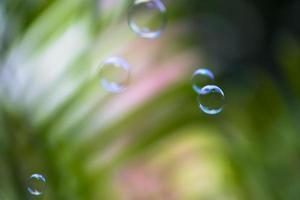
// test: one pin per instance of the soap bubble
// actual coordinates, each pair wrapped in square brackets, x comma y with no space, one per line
[202,77]
[114,74]
[36,184]
[211,99]
[147,18]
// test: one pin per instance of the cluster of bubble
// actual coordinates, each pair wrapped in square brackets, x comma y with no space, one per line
[147,19]
[210,97]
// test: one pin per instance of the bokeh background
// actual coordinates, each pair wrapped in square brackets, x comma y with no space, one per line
[150,142]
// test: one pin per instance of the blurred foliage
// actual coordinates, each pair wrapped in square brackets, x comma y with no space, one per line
[152,142]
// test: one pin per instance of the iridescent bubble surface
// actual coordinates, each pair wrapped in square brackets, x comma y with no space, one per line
[37,184]
[114,74]
[211,99]
[147,18]
[202,77]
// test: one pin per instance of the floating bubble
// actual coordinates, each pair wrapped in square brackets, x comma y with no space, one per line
[201,78]
[211,99]
[147,18]
[36,184]
[114,74]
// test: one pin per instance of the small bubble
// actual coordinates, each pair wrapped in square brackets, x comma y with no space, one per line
[114,74]
[202,77]
[147,18]
[211,99]
[36,184]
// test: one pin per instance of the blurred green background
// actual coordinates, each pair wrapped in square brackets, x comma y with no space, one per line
[150,142]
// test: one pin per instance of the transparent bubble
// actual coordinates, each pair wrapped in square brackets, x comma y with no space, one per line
[211,99]
[201,78]
[147,18]
[36,184]
[114,74]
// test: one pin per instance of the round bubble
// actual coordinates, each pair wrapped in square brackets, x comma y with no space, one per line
[211,99]
[147,18]
[202,77]
[114,74]
[36,184]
